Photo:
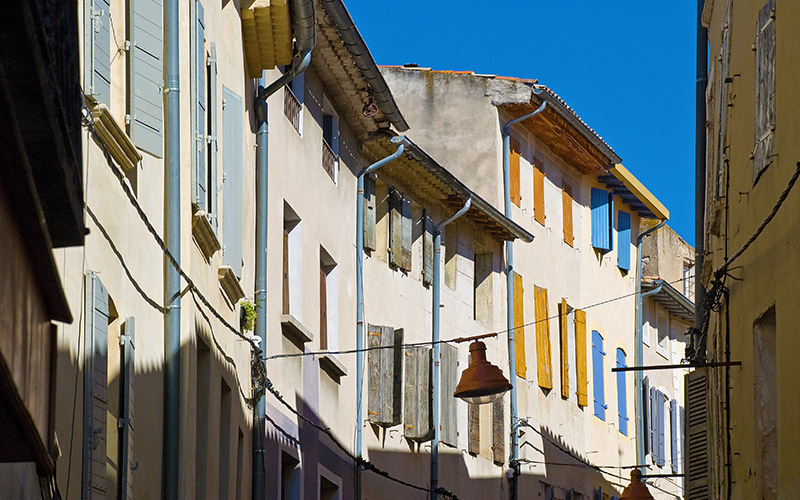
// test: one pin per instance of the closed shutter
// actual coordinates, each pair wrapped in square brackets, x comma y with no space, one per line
[624,241]
[697,459]
[566,208]
[673,434]
[232,143]
[597,369]
[385,373]
[95,387]
[601,219]
[200,195]
[395,228]
[646,411]
[498,432]
[448,416]
[519,327]
[543,357]
[427,249]
[213,109]
[417,394]
[98,50]
[538,190]
[369,213]
[622,394]
[580,358]
[563,311]
[474,429]
[146,77]
[765,89]
[125,460]
[514,172]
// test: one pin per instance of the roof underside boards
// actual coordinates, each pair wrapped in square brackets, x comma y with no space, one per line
[432,183]
[633,192]
[670,299]
[266,35]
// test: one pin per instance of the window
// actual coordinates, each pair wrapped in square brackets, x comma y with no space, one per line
[400,227]
[514,161]
[624,241]
[597,369]
[292,262]
[602,209]
[763,153]
[622,394]
[290,477]
[385,374]
[204,123]
[538,190]
[580,359]
[566,207]
[482,288]
[329,489]
[328,302]
[765,404]
[688,280]
[450,254]
[224,439]
[293,97]
[202,390]
[543,358]
[145,76]
[519,326]
[662,319]
[232,192]
[97,77]
[330,141]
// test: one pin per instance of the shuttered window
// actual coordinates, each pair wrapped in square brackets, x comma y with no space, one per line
[538,190]
[622,394]
[661,443]
[698,437]
[648,428]
[563,315]
[417,394]
[448,417]
[125,460]
[212,145]
[624,240]
[145,75]
[369,213]
[601,219]
[199,67]
[519,327]
[673,435]
[385,374]
[566,208]
[597,369]
[232,193]
[482,288]
[580,358]
[543,357]
[400,230]
[98,50]
[516,197]
[474,429]
[498,432]
[765,89]
[427,249]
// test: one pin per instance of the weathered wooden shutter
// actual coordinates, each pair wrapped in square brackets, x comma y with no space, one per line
[385,375]
[98,50]
[407,235]
[765,89]
[601,220]
[95,388]
[474,429]
[580,358]
[566,209]
[369,213]
[538,190]
[323,309]
[673,434]
[200,194]
[543,356]
[395,228]
[232,113]
[125,462]
[660,419]
[597,381]
[417,394]
[213,146]
[498,432]
[624,240]
[563,311]
[519,326]
[514,172]
[427,248]
[448,416]
[646,416]
[697,459]
[146,77]
[622,394]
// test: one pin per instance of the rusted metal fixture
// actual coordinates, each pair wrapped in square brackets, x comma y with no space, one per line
[482,382]
[637,489]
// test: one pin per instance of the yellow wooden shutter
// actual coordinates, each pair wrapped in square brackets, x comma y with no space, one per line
[514,172]
[566,201]
[545,370]
[564,348]
[580,357]
[519,329]
[538,190]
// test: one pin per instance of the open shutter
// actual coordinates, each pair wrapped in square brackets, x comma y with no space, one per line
[566,209]
[95,402]
[448,417]
[323,309]
[597,371]
[232,143]
[385,375]
[417,394]
[427,248]
[653,437]
[200,108]
[580,358]
[98,50]
[514,172]
[646,419]
[563,311]
[622,394]
[538,190]
[498,432]
[146,78]
[395,228]
[407,237]
[369,213]
[474,429]
[601,219]
[765,89]
[213,109]
[125,460]
[519,327]
[543,357]
[697,459]
[673,435]
[660,416]
[624,241]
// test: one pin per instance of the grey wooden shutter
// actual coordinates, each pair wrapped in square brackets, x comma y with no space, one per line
[660,427]
[395,228]
[213,107]
[95,388]
[653,435]
[200,194]
[98,50]
[474,429]
[498,432]
[697,459]
[765,88]
[407,238]
[673,435]
[232,180]
[370,210]
[125,462]
[146,75]
[417,394]
[448,416]
[385,374]
[427,249]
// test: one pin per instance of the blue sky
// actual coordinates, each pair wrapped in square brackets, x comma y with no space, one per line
[627,69]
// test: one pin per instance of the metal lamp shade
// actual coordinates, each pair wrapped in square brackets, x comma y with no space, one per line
[481,382]
[636,490]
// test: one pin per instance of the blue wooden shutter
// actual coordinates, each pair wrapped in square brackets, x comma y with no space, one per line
[95,387]
[601,219]
[622,394]
[213,106]
[125,462]
[624,241]
[673,434]
[146,75]
[232,180]
[597,362]
[98,50]
[200,194]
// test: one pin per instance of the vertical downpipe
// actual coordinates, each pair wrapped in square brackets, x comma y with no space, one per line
[700,179]
[172,239]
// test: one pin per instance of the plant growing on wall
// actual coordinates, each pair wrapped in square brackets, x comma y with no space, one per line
[248,315]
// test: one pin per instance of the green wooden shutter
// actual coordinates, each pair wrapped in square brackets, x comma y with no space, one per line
[498,432]
[395,228]
[697,458]
[427,249]
[213,109]
[125,462]
[200,194]
[369,213]
[448,416]
[232,143]
[98,50]
[385,373]
[417,394]
[146,75]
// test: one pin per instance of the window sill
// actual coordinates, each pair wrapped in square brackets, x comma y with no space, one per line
[295,331]
[204,234]
[114,138]
[230,284]
[332,366]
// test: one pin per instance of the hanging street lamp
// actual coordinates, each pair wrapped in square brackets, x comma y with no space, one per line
[637,489]
[482,382]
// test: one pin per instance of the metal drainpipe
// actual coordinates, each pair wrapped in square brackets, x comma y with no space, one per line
[360,296]
[639,349]
[259,481]
[700,179]
[512,365]
[172,239]
[435,306]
